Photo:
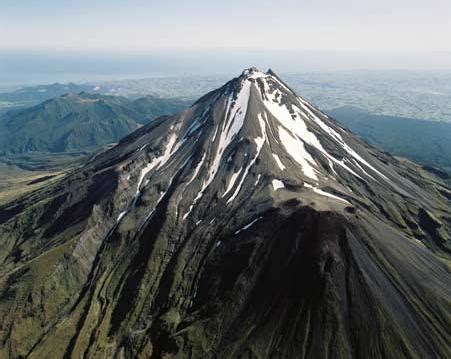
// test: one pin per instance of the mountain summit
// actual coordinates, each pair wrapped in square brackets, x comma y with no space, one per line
[249,225]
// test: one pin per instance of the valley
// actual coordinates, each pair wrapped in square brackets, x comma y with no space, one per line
[16,182]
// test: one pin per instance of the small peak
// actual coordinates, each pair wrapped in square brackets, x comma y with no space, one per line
[254,72]
[250,71]
[271,72]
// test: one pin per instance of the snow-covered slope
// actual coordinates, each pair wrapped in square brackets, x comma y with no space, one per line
[256,127]
[250,224]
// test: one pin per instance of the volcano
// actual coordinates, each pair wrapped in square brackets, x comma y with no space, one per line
[250,225]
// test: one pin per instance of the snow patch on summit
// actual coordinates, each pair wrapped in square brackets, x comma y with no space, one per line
[278,161]
[337,137]
[235,113]
[297,151]
[259,142]
[277,184]
[247,226]
[324,193]
[232,181]
[157,162]
[294,134]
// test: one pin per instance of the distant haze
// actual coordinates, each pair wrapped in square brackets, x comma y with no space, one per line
[70,40]
[36,67]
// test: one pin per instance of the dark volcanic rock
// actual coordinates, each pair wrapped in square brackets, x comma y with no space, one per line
[249,225]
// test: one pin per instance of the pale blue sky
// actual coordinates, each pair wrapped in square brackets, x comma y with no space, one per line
[139,25]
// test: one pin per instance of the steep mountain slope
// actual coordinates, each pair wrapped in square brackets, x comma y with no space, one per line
[249,225]
[75,122]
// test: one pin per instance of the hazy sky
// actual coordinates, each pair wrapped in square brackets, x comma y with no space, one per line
[141,25]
